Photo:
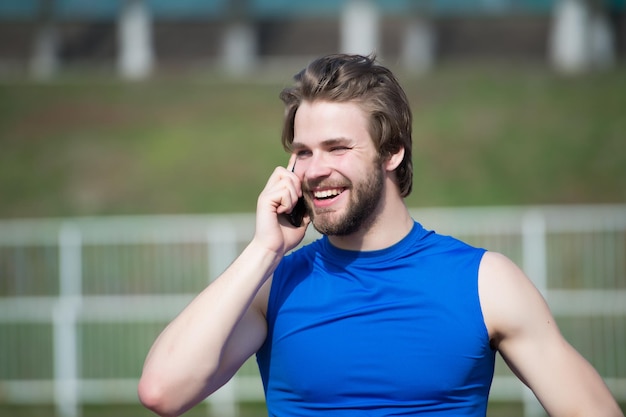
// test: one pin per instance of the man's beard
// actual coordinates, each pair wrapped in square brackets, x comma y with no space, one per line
[364,199]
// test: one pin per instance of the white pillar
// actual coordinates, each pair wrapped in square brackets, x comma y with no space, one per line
[418,50]
[360,30]
[568,47]
[45,61]
[239,48]
[135,56]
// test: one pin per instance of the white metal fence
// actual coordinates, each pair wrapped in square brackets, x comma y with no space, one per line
[81,300]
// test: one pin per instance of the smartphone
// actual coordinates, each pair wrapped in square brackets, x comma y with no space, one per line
[297,214]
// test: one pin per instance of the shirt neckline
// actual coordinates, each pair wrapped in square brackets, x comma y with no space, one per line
[416,233]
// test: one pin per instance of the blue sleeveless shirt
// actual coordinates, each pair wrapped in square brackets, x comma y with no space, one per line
[391,332]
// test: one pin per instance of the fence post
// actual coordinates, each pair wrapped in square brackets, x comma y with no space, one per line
[534,253]
[65,314]
[222,250]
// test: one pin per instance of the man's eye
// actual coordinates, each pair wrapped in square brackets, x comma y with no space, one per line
[303,154]
[339,149]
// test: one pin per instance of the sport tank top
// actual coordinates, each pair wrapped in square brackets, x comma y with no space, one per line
[391,332]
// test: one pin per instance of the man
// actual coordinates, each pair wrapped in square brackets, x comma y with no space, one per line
[379,317]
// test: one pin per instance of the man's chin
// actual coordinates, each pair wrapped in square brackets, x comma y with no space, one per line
[326,223]
[331,225]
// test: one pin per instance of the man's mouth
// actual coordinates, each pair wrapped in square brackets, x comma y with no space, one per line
[324,198]
[327,194]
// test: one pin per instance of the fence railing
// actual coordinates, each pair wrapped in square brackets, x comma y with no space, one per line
[81,300]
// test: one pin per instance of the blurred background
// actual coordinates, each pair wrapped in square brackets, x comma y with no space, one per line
[135,136]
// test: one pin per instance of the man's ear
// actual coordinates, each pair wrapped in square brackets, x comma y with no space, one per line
[394,160]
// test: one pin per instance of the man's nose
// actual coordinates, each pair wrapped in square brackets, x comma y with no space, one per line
[317,166]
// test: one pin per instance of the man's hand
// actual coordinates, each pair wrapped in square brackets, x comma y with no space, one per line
[278,198]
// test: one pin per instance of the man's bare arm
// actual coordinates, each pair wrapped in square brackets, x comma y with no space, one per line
[195,354]
[224,325]
[524,331]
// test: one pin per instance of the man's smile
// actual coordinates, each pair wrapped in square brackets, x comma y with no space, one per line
[328,193]
[324,197]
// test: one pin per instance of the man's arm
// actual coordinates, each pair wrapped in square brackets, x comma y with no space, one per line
[523,329]
[202,348]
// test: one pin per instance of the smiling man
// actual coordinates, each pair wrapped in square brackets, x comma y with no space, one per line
[380,316]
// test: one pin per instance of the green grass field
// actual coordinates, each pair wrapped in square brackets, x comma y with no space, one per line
[87,145]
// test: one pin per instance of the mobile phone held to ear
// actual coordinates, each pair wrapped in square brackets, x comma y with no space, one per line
[297,214]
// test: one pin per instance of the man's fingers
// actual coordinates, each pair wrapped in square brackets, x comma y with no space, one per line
[288,200]
[283,192]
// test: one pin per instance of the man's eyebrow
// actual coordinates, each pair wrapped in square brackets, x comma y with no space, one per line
[297,145]
[324,143]
[336,141]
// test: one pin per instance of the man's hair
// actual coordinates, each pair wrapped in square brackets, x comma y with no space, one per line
[359,79]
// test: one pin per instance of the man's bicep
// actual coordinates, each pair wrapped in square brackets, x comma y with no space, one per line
[247,336]
[512,306]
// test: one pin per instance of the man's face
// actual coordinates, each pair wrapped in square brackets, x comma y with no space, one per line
[343,179]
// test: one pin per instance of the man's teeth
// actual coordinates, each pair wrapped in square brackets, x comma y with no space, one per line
[327,193]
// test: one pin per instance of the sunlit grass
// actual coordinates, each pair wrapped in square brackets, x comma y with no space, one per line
[482,136]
